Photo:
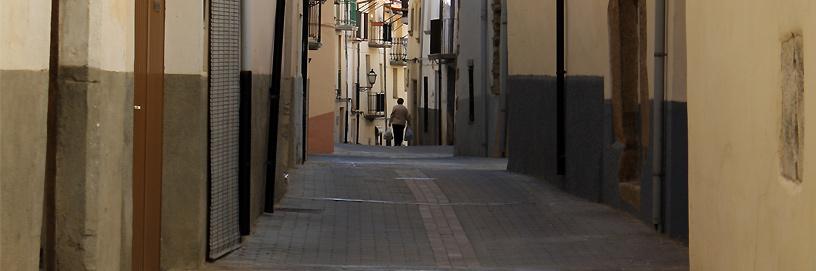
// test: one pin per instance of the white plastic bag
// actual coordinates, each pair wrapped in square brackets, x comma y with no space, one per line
[389,134]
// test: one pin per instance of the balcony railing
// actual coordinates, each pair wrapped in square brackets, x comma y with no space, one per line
[399,7]
[399,53]
[442,39]
[380,35]
[315,15]
[347,15]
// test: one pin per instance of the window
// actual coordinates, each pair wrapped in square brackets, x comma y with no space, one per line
[425,102]
[472,100]
[395,80]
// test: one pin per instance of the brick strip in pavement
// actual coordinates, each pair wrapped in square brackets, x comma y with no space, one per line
[450,244]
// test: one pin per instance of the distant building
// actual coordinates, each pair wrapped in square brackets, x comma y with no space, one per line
[370,38]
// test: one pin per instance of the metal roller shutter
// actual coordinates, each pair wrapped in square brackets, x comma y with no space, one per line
[224,100]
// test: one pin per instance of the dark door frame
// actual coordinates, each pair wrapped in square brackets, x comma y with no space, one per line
[560,86]
[147,131]
[274,106]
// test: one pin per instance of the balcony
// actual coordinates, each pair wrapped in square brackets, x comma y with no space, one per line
[315,15]
[347,15]
[380,35]
[442,39]
[399,53]
[397,7]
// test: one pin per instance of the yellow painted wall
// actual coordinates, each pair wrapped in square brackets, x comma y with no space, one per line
[743,214]
[587,40]
[530,35]
[323,67]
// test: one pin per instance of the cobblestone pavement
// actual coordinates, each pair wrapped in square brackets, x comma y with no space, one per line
[377,209]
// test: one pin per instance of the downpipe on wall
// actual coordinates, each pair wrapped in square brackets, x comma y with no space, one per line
[483,73]
[657,118]
[274,107]
[305,76]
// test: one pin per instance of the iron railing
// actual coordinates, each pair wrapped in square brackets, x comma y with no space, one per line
[399,52]
[315,15]
[380,35]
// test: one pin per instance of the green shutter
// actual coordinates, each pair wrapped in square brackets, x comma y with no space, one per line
[352,11]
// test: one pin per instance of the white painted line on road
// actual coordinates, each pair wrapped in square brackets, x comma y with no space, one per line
[481,204]
[416,178]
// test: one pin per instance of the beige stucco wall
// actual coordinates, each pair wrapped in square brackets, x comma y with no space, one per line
[258,47]
[532,51]
[258,39]
[587,40]
[94,146]
[104,40]
[323,67]
[185,38]
[24,57]
[184,172]
[24,28]
[676,50]
[743,214]
[530,35]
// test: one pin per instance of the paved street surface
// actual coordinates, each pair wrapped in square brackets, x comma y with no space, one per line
[420,208]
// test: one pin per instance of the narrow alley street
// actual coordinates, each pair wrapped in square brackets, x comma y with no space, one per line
[421,208]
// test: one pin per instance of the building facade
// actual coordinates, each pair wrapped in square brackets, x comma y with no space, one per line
[323,79]
[156,135]
[751,202]
[596,102]
[481,67]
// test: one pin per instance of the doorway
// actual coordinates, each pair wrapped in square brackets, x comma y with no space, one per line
[450,105]
[630,106]
[147,134]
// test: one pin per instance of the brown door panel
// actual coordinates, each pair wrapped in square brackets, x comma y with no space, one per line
[147,132]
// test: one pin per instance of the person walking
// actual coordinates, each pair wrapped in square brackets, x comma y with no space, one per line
[399,120]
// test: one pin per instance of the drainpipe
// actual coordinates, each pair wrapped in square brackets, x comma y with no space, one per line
[385,82]
[657,121]
[357,97]
[485,22]
[560,85]
[344,67]
[304,71]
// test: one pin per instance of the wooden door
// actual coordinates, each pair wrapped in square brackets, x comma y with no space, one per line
[147,134]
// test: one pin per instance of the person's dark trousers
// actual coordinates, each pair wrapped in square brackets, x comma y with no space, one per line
[398,134]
